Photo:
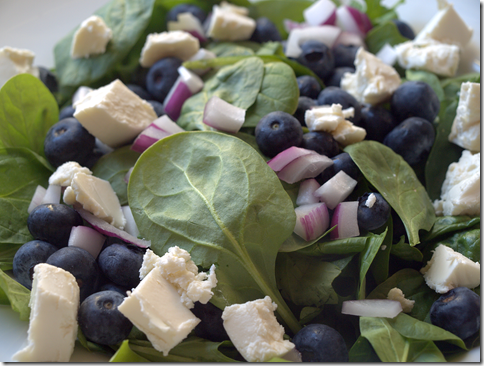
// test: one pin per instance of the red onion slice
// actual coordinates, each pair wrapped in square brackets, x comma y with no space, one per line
[278,162]
[109,230]
[130,227]
[375,308]
[306,192]
[307,166]
[223,116]
[290,25]
[352,20]
[312,221]
[326,34]
[345,220]
[36,198]
[336,189]
[86,238]
[320,13]
[166,124]
[52,194]
[148,137]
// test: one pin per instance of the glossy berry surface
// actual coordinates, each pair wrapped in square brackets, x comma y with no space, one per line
[68,140]
[414,99]
[53,223]
[457,311]
[196,11]
[322,142]
[139,91]
[412,139]
[101,321]
[335,78]
[342,162]
[303,104]
[265,31]
[404,29]
[66,112]
[372,215]
[27,257]
[277,131]
[377,121]
[308,86]
[332,94]
[49,79]
[211,326]
[161,77]
[320,343]
[318,57]
[157,107]
[109,286]
[344,55]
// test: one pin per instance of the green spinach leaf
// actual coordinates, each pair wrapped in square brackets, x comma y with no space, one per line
[373,244]
[7,252]
[467,243]
[338,246]
[126,354]
[230,49]
[386,32]
[406,251]
[18,296]
[448,224]
[362,351]
[378,12]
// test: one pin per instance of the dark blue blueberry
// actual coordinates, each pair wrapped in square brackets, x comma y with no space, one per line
[68,140]
[414,99]
[322,142]
[66,112]
[121,264]
[211,326]
[109,286]
[162,76]
[308,86]
[404,29]
[344,55]
[332,94]
[317,57]
[457,311]
[138,76]
[158,107]
[304,103]
[320,343]
[27,257]
[139,91]
[342,162]
[412,139]
[277,132]
[81,264]
[335,78]
[53,223]
[100,320]
[371,218]
[49,79]
[377,121]
[265,31]
[196,11]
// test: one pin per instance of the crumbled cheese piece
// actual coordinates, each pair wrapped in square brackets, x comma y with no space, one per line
[347,133]
[227,25]
[397,294]
[241,10]
[186,22]
[14,61]
[461,188]
[253,329]
[466,128]
[149,262]
[370,201]
[373,81]
[91,38]
[448,269]
[64,173]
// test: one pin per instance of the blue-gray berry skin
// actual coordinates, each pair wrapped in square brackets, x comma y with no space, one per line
[342,162]
[334,95]
[371,218]
[66,112]
[196,11]
[414,99]
[320,343]
[322,142]
[157,107]
[335,78]
[457,311]
[49,79]
[303,104]
[377,121]
[265,31]
[161,77]
[211,326]
[404,29]
[27,257]
[139,91]
[344,55]
[318,57]
[100,320]
[308,86]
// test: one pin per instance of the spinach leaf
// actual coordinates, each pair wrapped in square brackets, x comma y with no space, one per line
[230,49]
[27,112]
[378,12]
[295,242]
[362,351]
[386,32]
[271,48]
[373,244]
[406,251]
[467,243]
[18,296]
[113,168]
[126,354]
[7,252]
[381,263]
[338,246]
[427,77]
[447,224]
[397,183]
[452,86]
[213,195]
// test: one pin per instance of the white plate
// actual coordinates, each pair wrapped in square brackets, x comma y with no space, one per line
[38,25]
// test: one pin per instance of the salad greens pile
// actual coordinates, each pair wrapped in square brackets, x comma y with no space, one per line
[214,195]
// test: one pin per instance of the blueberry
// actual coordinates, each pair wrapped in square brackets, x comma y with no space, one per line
[317,57]
[322,142]
[27,257]
[53,223]
[344,55]
[265,31]
[342,162]
[335,78]
[100,320]
[49,79]
[138,76]
[320,343]
[404,29]
[414,99]
[377,121]
[308,86]
[139,91]
[457,311]
[81,265]
[66,112]
[109,286]
[372,215]
[303,104]
[412,139]
[121,264]
[277,131]
[158,107]
[333,94]
[197,12]
[68,140]
[211,326]
[161,77]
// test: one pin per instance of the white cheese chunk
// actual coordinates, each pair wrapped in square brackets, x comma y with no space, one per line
[241,10]
[96,196]
[114,114]
[149,262]
[466,128]
[91,38]
[253,329]
[429,55]
[186,22]
[347,133]
[176,43]
[155,308]
[398,295]
[327,34]
[448,269]
[460,193]
[64,173]
[373,81]
[14,61]
[54,302]
[227,25]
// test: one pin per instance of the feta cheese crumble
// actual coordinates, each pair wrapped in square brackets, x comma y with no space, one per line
[14,61]
[398,295]
[65,173]
[91,38]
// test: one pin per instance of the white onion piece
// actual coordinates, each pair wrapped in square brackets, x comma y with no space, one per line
[320,13]
[202,54]
[350,39]
[223,116]
[148,137]
[387,54]
[352,20]
[130,227]
[311,221]
[336,189]
[109,230]
[86,238]
[52,194]
[326,34]
[36,198]
[374,308]
[128,175]
[307,166]
[345,218]
[306,195]
[189,23]
[80,93]
[286,156]
[166,124]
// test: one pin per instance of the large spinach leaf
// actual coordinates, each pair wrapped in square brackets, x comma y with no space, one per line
[448,224]
[14,294]
[467,243]
[406,251]
[213,195]
[362,351]
[126,354]
[386,32]
[7,252]
[338,246]
[373,245]
[397,183]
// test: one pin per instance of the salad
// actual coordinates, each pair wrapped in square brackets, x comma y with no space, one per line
[332,271]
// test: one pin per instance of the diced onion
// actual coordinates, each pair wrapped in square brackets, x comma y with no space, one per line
[352,20]
[36,198]
[130,227]
[307,166]
[166,124]
[286,156]
[86,238]
[321,12]
[345,218]
[336,189]
[223,116]
[375,308]
[148,137]
[326,34]
[311,221]
[306,192]
[52,194]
